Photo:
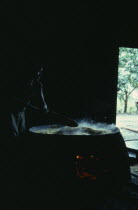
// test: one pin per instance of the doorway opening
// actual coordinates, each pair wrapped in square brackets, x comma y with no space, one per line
[127,94]
[127,103]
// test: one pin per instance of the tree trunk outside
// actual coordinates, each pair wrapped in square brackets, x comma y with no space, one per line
[126,102]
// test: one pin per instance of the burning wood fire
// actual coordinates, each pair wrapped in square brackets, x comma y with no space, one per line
[87,167]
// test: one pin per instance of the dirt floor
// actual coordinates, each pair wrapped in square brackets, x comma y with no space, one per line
[125,122]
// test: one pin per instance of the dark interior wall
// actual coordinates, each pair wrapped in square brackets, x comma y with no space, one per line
[79,44]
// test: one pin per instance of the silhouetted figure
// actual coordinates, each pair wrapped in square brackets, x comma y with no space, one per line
[27,94]
[17,99]
[19,104]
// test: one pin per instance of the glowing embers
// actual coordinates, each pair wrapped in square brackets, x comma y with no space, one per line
[92,166]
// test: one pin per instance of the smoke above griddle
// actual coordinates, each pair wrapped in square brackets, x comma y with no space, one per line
[85,127]
[96,125]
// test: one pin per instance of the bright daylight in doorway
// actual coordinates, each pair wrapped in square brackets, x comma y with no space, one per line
[127,95]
